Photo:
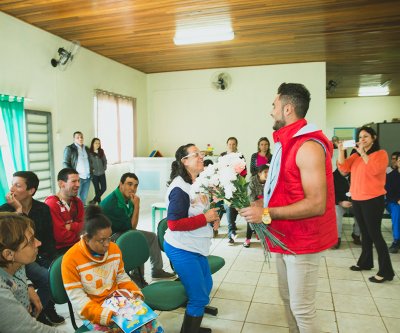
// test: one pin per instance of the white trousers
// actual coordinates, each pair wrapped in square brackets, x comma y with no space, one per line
[298,279]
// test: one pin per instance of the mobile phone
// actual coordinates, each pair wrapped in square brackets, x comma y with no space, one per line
[349,143]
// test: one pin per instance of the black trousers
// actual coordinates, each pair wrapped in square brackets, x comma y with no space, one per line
[369,217]
[100,186]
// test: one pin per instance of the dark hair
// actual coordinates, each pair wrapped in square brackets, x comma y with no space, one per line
[12,233]
[100,151]
[95,220]
[264,138]
[207,162]
[128,175]
[396,153]
[375,146]
[64,174]
[297,95]
[262,167]
[177,167]
[31,179]
[77,132]
[232,138]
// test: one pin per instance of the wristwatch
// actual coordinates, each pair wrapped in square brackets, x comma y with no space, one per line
[266,218]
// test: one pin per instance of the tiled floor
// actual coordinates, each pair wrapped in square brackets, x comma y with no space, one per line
[245,291]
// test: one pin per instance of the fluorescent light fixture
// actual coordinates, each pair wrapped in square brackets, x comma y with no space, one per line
[373,91]
[203,34]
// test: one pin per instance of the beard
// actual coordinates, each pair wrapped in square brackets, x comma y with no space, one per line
[279,124]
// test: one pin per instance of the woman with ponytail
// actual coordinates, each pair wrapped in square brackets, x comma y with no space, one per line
[188,238]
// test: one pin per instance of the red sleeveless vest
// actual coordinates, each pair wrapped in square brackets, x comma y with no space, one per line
[307,235]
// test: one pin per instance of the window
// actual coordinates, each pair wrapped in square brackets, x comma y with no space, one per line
[40,150]
[115,125]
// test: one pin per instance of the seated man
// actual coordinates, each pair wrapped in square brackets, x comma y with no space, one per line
[122,208]
[20,200]
[393,203]
[66,210]
[342,204]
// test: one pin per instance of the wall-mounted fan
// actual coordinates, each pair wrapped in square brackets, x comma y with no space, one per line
[221,81]
[66,56]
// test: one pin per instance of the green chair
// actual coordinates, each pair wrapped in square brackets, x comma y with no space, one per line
[162,295]
[215,262]
[58,293]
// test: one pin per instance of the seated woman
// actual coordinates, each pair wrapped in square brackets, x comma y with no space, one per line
[18,247]
[93,269]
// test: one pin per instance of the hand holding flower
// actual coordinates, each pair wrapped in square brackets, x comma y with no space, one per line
[252,214]
[212,215]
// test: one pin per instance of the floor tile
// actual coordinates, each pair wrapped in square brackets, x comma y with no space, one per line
[230,309]
[355,304]
[348,287]
[388,307]
[357,323]
[392,324]
[240,292]
[257,328]
[267,314]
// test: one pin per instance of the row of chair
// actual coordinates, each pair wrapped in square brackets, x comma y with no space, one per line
[162,295]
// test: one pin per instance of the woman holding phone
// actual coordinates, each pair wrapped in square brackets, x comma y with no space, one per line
[368,175]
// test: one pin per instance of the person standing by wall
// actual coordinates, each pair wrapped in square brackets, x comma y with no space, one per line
[262,157]
[232,213]
[299,198]
[99,163]
[76,156]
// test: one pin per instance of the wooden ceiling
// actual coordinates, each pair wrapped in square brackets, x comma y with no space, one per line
[359,40]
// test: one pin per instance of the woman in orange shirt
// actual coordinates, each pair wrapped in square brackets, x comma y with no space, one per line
[368,176]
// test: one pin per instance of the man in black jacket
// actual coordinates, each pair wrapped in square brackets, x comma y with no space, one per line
[20,200]
[343,204]
[76,156]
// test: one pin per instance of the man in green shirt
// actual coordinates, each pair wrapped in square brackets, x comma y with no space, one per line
[122,208]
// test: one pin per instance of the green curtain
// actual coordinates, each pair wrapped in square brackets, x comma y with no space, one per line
[12,111]
[3,180]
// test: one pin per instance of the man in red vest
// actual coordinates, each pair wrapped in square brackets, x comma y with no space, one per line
[299,198]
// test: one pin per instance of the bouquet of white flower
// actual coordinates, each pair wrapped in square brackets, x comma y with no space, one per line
[222,181]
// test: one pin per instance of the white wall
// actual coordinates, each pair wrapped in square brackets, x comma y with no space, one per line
[184,107]
[25,70]
[355,112]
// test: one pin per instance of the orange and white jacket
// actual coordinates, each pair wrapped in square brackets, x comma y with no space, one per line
[88,280]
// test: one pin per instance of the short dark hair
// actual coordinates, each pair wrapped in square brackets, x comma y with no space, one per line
[31,179]
[297,95]
[232,138]
[396,153]
[64,174]
[128,175]
[77,132]
[262,167]
[94,221]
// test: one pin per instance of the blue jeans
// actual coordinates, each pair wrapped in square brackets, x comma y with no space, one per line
[39,276]
[394,211]
[100,186]
[83,189]
[195,275]
[231,215]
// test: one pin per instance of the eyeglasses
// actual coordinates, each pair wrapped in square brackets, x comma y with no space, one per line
[104,240]
[195,154]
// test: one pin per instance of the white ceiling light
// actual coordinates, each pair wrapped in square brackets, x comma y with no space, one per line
[204,34]
[196,28]
[374,91]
